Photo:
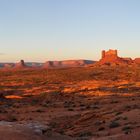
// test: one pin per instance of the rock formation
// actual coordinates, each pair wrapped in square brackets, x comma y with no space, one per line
[109,54]
[137,60]
[48,64]
[67,63]
[21,64]
[111,58]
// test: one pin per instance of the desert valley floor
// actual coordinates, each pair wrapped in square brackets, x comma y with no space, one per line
[89,103]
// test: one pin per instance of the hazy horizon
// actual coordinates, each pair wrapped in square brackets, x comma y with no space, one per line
[41,30]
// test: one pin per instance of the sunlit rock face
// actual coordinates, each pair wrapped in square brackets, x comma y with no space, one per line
[109,54]
[73,63]
[137,60]
[111,58]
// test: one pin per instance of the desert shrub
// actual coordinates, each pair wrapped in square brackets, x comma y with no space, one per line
[70,109]
[43,94]
[40,110]
[127,129]
[12,118]
[114,124]
[114,102]
[85,134]
[118,113]
[125,118]
[101,129]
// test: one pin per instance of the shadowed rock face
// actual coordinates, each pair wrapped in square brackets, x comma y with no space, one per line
[111,57]
[67,63]
[48,64]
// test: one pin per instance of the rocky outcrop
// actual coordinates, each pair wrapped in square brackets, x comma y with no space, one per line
[137,60]
[109,54]
[111,58]
[48,64]
[21,64]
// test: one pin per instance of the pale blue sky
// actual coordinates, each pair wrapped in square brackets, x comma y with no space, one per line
[41,30]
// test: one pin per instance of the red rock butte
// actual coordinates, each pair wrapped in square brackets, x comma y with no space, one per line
[111,57]
[109,54]
[21,64]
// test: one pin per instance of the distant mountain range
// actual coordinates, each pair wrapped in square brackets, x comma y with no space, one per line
[109,58]
[48,64]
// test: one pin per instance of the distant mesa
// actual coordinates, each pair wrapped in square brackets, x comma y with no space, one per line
[7,65]
[48,64]
[67,63]
[111,57]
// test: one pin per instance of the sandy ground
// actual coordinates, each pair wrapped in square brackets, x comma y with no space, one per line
[48,106]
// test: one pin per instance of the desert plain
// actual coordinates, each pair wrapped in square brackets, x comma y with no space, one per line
[81,103]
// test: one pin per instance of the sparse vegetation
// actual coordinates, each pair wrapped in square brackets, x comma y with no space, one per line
[114,124]
[76,102]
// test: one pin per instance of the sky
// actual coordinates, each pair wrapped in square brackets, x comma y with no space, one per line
[41,30]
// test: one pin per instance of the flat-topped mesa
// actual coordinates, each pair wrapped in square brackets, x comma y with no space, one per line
[67,63]
[111,57]
[8,66]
